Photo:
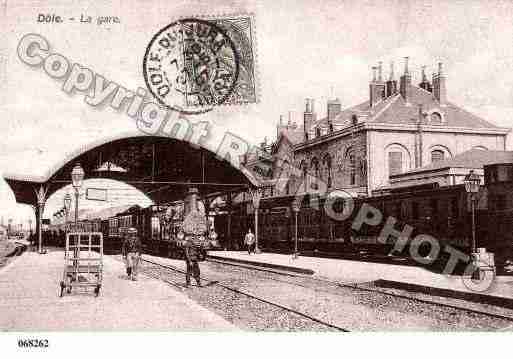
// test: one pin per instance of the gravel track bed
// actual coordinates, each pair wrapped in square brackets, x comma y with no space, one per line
[346,307]
[6,248]
[243,311]
[355,308]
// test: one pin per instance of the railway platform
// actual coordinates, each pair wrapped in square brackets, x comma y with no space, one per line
[29,301]
[392,275]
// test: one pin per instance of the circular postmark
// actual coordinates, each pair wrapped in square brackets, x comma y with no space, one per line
[191,65]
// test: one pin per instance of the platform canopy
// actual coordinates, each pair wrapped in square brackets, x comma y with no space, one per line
[163,168]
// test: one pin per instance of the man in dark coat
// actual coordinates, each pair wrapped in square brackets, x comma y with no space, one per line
[131,251]
[192,256]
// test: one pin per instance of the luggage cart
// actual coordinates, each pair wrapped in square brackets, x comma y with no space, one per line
[83,261]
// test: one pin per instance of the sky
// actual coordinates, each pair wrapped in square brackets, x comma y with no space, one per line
[310,49]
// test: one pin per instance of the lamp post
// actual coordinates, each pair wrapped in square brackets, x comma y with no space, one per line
[296,205]
[67,207]
[256,196]
[41,198]
[77,178]
[472,183]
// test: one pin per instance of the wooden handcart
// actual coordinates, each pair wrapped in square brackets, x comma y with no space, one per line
[83,261]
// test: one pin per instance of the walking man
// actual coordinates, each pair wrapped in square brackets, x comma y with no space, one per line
[249,241]
[192,256]
[131,253]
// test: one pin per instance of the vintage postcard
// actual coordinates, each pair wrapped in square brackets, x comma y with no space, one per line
[248,166]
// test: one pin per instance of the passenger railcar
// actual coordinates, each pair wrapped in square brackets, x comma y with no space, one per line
[439,212]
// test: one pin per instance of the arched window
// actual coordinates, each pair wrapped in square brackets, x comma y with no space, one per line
[396,159]
[304,170]
[286,171]
[327,164]
[314,168]
[395,162]
[351,160]
[437,155]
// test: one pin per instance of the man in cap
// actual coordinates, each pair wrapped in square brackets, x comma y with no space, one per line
[131,252]
[192,254]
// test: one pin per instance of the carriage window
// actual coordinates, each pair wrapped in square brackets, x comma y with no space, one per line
[437,155]
[434,207]
[500,203]
[395,163]
[453,209]
[415,210]
[398,210]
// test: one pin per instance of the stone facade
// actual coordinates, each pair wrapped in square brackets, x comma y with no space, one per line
[397,130]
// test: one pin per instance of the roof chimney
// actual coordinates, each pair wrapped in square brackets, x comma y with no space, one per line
[439,89]
[405,82]
[425,83]
[376,87]
[391,84]
[334,108]
[308,117]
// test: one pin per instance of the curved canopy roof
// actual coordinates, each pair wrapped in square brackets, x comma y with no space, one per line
[161,167]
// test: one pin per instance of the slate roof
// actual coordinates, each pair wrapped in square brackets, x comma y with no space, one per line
[399,112]
[395,110]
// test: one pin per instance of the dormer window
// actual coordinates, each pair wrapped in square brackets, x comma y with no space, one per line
[435,118]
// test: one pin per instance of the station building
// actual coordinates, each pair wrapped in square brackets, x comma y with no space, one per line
[401,129]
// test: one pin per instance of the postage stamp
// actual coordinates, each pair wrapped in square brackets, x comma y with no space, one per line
[194,64]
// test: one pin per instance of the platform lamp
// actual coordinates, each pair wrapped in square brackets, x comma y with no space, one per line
[256,196]
[67,208]
[41,199]
[472,183]
[77,179]
[296,206]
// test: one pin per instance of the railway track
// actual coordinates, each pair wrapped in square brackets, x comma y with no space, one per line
[237,294]
[356,286]
[227,287]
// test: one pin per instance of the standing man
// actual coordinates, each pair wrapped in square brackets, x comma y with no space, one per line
[192,256]
[249,241]
[131,252]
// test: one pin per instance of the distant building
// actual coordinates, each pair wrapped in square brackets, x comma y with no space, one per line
[364,148]
[3,232]
[450,171]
